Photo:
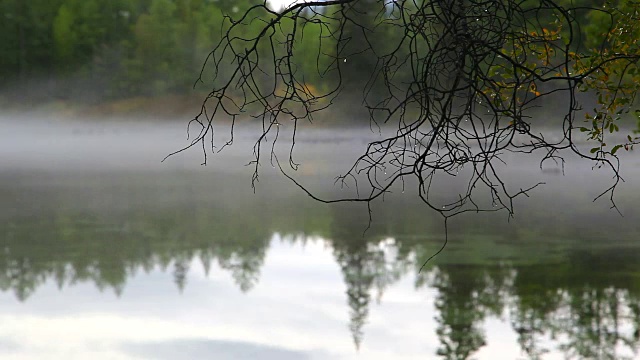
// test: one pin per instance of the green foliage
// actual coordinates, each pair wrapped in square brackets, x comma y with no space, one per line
[612,50]
[113,48]
[63,37]
[25,37]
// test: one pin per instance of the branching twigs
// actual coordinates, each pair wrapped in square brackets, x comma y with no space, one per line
[458,81]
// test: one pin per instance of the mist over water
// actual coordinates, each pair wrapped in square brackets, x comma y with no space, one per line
[110,253]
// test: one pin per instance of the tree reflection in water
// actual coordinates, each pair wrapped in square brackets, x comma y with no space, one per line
[572,290]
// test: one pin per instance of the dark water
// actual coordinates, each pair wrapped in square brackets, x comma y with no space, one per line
[106,253]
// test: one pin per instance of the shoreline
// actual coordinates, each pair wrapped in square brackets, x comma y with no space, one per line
[166,108]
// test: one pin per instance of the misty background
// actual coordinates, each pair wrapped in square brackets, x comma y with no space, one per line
[108,252]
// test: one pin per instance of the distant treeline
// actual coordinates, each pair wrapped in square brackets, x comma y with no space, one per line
[94,50]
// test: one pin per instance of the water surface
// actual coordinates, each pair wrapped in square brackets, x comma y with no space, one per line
[108,253]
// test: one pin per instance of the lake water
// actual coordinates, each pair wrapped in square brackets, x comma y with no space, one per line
[107,253]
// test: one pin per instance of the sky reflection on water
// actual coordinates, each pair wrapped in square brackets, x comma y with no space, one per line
[296,311]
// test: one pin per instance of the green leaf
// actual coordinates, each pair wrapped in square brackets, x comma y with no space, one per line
[593,150]
[615,148]
[611,128]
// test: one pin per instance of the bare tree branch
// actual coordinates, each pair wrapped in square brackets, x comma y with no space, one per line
[459,82]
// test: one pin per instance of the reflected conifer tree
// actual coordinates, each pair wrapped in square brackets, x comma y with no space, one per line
[533,301]
[363,262]
[18,278]
[585,310]
[180,271]
[592,326]
[459,312]
[359,281]
[245,271]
